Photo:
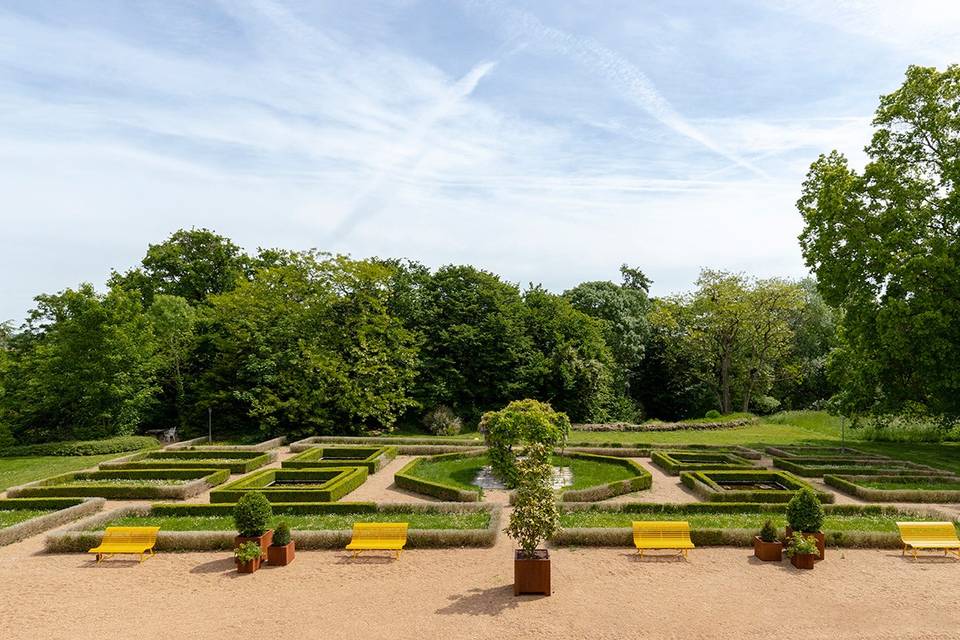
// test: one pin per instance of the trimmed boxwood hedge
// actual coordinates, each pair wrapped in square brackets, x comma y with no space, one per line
[623,536]
[373,458]
[803,451]
[704,484]
[120,444]
[849,484]
[811,466]
[234,461]
[198,444]
[405,479]
[641,479]
[313,441]
[58,486]
[675,461]
[79,537]
[60,511]
[334,483]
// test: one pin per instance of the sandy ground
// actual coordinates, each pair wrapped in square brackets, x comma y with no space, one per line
[665,488]
[380,487]
[597,593]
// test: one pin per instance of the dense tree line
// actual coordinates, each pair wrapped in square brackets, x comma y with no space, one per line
[306,342]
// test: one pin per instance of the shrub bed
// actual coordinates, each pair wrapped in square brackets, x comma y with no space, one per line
[266,445]
[313,441]
[803,451]
[898,488]
[818,466]
[448,518]
[373,458]
[125,484]
[44,514]
[234,461]
[294,485]
[708,485]
[675,461]
[119,444]
[732,524]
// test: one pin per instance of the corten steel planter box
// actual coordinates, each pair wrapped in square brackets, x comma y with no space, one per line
[818,535]
[531,575]
[767,551]
[249,566]
[803,560]
[280,556]
[264,541]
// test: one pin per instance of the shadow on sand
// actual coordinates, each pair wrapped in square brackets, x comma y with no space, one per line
[485,602]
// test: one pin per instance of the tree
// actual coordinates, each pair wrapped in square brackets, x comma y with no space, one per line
[82,368]
[521,423]
[173,321]
[191,264]
[884,244]
[308,346]
[535,515]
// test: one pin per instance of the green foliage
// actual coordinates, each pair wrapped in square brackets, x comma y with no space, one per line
[442,421]
[520,422]
[174,323]
[801,545]
[768,532]
[118,444]
[713,414]
[252,514]
[247,552]
[281,535]
[804,511]
[83,368]
[883,244]
[535,516]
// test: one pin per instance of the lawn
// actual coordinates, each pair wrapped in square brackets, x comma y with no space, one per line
[462,472]
[326,521]
[733,520]
[752,434]
[8,518]
[17,471]
[931,484]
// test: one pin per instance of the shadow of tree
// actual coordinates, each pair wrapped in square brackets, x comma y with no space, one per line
[223,565]
[484,602]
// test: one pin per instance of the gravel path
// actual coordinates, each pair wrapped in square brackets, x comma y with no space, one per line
[380,487]
[666,488]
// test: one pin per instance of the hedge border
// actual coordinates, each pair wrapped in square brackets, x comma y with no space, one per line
[642,479]
[819,466]
[313,458]
[79,539]
[244,463]
[848,484]
[314,441]
[66,510]
[797,451]
[266,445]
[666,461]
[653,427]
[702,484]
[344,480]
[202,480]
[405,480]
[623,536]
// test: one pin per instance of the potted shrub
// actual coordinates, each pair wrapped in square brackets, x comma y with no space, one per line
[535,518]
[248,557]
[767,545]
[805,515]
[280,551]
[802,551]
[252,515]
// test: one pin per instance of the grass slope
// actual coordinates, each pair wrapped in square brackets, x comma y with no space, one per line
[17,471]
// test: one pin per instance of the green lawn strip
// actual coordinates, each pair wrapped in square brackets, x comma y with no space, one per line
[331,521]
[595,519]
[17,471]
[462,472]
[932,484]
[758,434]
[127,482]
[9,518]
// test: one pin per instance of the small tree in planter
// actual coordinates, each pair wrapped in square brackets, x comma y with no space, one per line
[252,515]
[521,422]
[767,546]
[281,550]
[805,514]
[802,551]
[247,556]
[535,518]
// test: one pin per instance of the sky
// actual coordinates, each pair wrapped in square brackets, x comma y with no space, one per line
[548,141]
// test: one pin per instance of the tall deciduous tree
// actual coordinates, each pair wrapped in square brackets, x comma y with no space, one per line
[174,322]
[885,246]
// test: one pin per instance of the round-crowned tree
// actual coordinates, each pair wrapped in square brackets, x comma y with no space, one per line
[520,423]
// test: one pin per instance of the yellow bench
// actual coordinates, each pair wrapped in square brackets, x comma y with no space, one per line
[929,535]
[652,534]
[381,536]
[134,540]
